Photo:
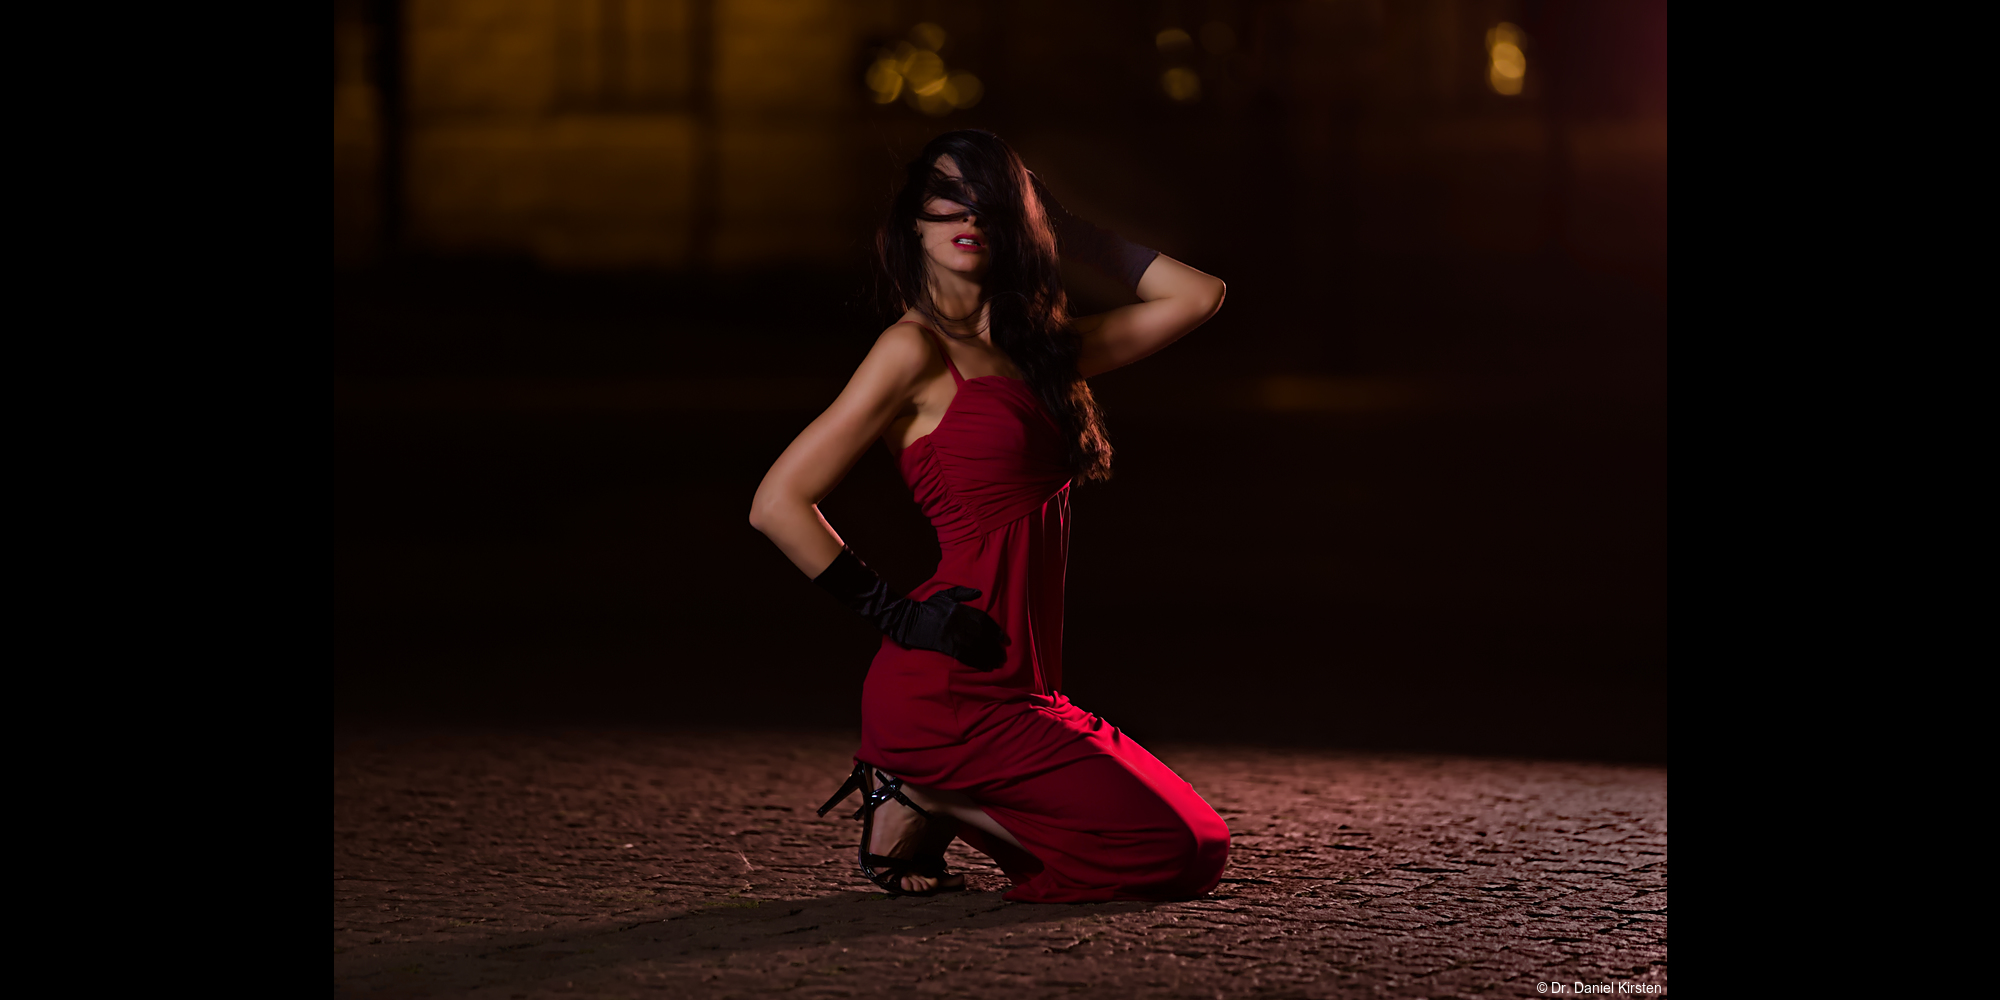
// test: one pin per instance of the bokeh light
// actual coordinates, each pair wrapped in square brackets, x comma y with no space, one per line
[1218,38]
[914,72]
[885,79]
[1507,65]
[924,71]
[1181,84]
[963,90]
[1173,40]
[925,74]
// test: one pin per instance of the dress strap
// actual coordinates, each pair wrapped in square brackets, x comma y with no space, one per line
[956,378]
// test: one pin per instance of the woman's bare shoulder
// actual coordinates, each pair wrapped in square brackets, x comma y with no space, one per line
[906,331]
[904,351]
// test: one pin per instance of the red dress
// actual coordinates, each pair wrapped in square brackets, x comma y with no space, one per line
[1102,818]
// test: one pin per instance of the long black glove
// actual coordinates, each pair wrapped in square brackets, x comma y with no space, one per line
[939,623]
[1079,240]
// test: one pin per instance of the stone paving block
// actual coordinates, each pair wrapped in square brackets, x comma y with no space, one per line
[515,865]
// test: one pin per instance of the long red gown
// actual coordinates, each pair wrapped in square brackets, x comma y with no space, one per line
[1102,818]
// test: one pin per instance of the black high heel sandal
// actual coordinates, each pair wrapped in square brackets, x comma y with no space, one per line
[887,872]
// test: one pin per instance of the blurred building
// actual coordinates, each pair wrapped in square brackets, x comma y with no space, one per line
[731,134]
[529,459]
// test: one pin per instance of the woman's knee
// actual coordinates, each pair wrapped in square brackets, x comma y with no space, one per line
[1211,857]
[1200,852]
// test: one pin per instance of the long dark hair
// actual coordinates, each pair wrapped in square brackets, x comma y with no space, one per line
[1023,290]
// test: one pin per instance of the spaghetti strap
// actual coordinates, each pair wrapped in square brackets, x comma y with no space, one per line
[956,378]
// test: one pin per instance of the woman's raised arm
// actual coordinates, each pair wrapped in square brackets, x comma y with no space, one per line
[1175,299]
[885,386]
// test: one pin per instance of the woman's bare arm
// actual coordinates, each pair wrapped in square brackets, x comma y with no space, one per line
[887,384]
[1175,299]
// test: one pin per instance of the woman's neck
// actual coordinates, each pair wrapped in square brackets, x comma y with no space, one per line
[956,299]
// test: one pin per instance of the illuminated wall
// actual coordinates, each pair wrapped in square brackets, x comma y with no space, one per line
[623,133]
[734,134]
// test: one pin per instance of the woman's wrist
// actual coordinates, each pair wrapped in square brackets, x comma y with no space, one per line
[941,623]
[851,582]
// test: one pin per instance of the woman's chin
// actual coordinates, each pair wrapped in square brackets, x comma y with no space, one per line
[971,268]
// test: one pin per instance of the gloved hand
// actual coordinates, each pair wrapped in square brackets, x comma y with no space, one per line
[1079,240]
[941,622]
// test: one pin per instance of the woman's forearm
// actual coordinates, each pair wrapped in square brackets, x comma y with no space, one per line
[1079,240]
[1200,294]
[1173,299]
[798,529]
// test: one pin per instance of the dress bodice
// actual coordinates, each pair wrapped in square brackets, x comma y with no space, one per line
[994,457]
[993,479]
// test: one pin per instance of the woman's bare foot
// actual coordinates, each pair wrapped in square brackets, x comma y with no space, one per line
[900,832]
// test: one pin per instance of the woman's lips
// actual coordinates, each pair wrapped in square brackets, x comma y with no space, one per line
[967,241]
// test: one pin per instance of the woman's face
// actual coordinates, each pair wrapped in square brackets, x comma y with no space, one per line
[957,244]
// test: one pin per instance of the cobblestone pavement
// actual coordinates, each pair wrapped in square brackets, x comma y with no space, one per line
[691,864]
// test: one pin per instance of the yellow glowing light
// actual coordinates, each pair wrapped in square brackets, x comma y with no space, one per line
[1172,40]
[885,79]
[1217,37]
[915,73]
[924,70]
[1181,84]
[1509,66]
[932,104]
[963,90]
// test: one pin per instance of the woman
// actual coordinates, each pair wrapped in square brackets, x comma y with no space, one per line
[978,391]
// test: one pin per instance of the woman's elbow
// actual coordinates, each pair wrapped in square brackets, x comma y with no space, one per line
[762,511]
[1202,304]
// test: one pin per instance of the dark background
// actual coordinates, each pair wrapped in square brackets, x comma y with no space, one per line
[597,263]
